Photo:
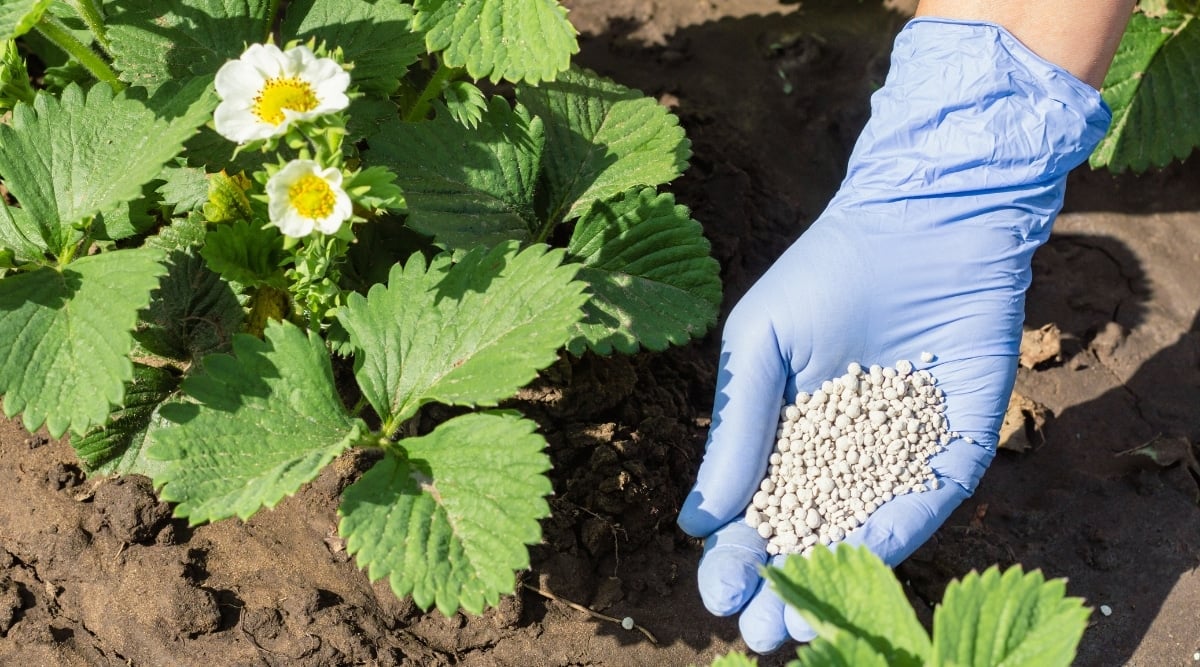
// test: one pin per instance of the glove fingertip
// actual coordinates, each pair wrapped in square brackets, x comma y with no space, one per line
[723,598]
[762,623]
[759,639]
[797,627]
[727,582]
[695,521]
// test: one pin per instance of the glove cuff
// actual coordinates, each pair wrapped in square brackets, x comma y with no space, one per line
[968,110]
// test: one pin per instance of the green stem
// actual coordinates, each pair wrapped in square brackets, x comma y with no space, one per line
[89,11]
[53,30]
[543,232]
[272,10]
[390,426]
[432,90]
[68,254]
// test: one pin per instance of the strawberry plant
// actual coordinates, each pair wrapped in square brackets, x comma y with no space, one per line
[856,605]
[1153,88]
[207,205]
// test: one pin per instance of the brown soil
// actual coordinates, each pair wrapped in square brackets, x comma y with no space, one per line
[95,572]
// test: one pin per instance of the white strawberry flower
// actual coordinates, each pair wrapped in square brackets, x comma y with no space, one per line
[267,89]
[302,197]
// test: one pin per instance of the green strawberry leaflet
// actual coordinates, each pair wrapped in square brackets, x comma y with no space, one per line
[447,519]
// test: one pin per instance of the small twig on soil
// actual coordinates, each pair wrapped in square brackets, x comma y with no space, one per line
[613,528]
[574,605]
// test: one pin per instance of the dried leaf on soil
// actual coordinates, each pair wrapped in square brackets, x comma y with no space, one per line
[1041,345]
[1166,451]
[1024,417]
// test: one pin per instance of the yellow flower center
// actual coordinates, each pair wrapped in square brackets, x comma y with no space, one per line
[312,197]
[285,93]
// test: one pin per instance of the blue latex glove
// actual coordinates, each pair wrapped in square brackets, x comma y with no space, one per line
[953,184]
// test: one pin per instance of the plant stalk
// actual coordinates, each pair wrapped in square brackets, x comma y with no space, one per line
[432,89]
[272,11]
[89,11]
[543,233]
[53,30]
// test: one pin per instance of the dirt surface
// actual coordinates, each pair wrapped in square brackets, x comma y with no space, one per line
[95,572]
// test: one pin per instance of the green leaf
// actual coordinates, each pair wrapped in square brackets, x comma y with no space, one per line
[449,519]
[379,247]
[466,187]
[735,660]
[1153,88]
[183,187]
[181,234]
[246,253]
[376,36]
[471,333]
[266,421]
[368,116]
[118,448]
[156,41]
[67,337]
[17,17]
[850,590]
[128,218]
[1011,619]
[67,160]
[209,150]
[20,234]
[465,102]
[515,40]
[602,139]
[652,278]
[192,313]
[375,189]
[843,650]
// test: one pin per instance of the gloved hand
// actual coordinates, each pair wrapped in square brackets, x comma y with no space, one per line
[926,247]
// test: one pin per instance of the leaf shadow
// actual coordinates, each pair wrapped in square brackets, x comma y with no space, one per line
[442,166]
[193,312]
[229,380]
[571,144]
[183,59]
[473,273]
[45,287]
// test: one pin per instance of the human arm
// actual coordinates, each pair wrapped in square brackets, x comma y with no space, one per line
[1080,36]
[953,184]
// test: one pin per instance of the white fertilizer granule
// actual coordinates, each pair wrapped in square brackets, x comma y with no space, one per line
[844,450]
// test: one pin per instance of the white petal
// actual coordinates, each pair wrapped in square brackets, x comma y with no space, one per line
[332,176]
[238,79]
[293,224]
[299,60]
[295,169]
[239,124]
[342,210]
[267,59]
[326,71]
[330,102]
